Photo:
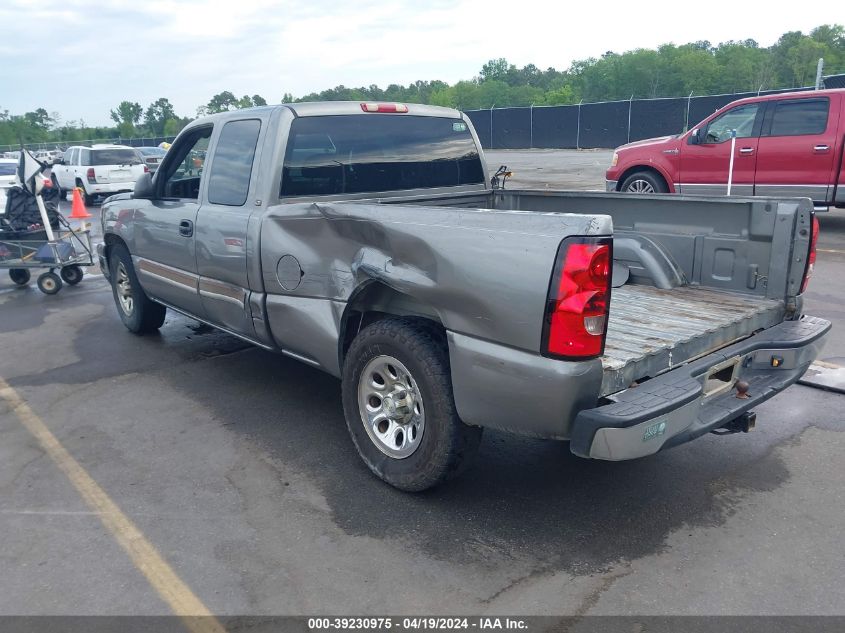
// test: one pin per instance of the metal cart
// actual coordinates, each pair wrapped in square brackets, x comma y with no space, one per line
[68,253]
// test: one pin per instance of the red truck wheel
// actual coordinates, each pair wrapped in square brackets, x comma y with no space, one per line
[644,182]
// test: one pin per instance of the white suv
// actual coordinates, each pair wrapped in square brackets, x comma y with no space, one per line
[101,170]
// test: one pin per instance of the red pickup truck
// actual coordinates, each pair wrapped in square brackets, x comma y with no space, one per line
[788,144]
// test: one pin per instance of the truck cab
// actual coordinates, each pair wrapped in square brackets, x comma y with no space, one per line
[787,145]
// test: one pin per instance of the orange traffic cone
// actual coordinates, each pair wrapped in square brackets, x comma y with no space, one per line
[77,209]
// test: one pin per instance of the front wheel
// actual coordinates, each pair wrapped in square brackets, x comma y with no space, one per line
[644,182]
[399,407]
[49,283]
[139,313]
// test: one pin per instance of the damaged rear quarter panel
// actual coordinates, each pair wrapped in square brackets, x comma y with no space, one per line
[484,273]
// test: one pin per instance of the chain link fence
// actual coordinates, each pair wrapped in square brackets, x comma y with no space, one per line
[606,124]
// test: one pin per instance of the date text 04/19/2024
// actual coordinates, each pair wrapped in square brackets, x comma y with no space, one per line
[416,623]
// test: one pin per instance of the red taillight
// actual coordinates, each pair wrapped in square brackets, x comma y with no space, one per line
[146,169]
[91,177]
[811,255]
[579,299]
[384,107]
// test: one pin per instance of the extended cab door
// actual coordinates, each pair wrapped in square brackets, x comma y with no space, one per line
[796,151]
[222,225]
[164,227]
[705,164]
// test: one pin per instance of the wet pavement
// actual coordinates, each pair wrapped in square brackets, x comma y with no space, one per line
[235,464]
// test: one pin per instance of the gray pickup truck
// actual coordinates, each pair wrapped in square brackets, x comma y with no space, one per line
[366,240]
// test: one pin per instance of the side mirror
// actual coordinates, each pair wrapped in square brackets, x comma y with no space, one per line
[694,137]
[144,189]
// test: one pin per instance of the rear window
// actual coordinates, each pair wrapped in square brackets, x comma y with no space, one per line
[799,117]
[151,151]
[8,169]
[114,157]
[378,152]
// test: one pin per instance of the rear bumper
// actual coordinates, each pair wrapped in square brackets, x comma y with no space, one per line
[673,408]
[610,185]
[108,188]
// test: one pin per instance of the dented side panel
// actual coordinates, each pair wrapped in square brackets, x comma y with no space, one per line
[484,273]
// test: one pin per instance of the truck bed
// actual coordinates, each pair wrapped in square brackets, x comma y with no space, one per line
[651,330]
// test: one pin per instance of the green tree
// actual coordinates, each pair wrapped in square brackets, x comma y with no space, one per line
[172,127]
[127,115]
[803,60]
[495,70]
[221,102]
[158,114]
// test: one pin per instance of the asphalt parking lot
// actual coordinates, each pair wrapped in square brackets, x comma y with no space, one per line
[190,466]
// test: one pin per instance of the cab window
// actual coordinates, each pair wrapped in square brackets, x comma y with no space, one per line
[741,119]
[182,170]
[799,117]
[232,166]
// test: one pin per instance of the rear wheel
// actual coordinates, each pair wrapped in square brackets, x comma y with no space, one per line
[644,182]
[20,276]
[88,199]
[71,274]
[399,407]
[139,313]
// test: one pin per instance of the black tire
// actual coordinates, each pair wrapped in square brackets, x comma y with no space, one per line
[88,200]
[447,444]
[141,315]
[20,276]
[49,283]
[640,181]
[72,274]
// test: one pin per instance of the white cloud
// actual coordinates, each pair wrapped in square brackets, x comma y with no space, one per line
[82,57]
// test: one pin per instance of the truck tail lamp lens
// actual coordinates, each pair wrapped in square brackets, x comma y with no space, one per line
[384,107]
[811,256]
[90,175]
[575,325]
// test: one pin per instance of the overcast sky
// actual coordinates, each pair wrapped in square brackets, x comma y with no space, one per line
[80,59]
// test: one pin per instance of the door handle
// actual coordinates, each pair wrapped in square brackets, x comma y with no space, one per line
[821,149]
[186,228]
[747,151]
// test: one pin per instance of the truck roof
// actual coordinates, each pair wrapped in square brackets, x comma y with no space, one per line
[328,108]
[788,95]
[324,108]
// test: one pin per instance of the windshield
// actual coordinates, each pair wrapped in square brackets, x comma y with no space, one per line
[8,169]
[378,152]
[114,157]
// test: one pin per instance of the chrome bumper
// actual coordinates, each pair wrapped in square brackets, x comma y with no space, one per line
[674,408]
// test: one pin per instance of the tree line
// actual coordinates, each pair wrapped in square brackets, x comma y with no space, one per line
[131,120]
[668,71]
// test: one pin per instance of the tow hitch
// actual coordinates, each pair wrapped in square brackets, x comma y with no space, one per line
[742,424]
